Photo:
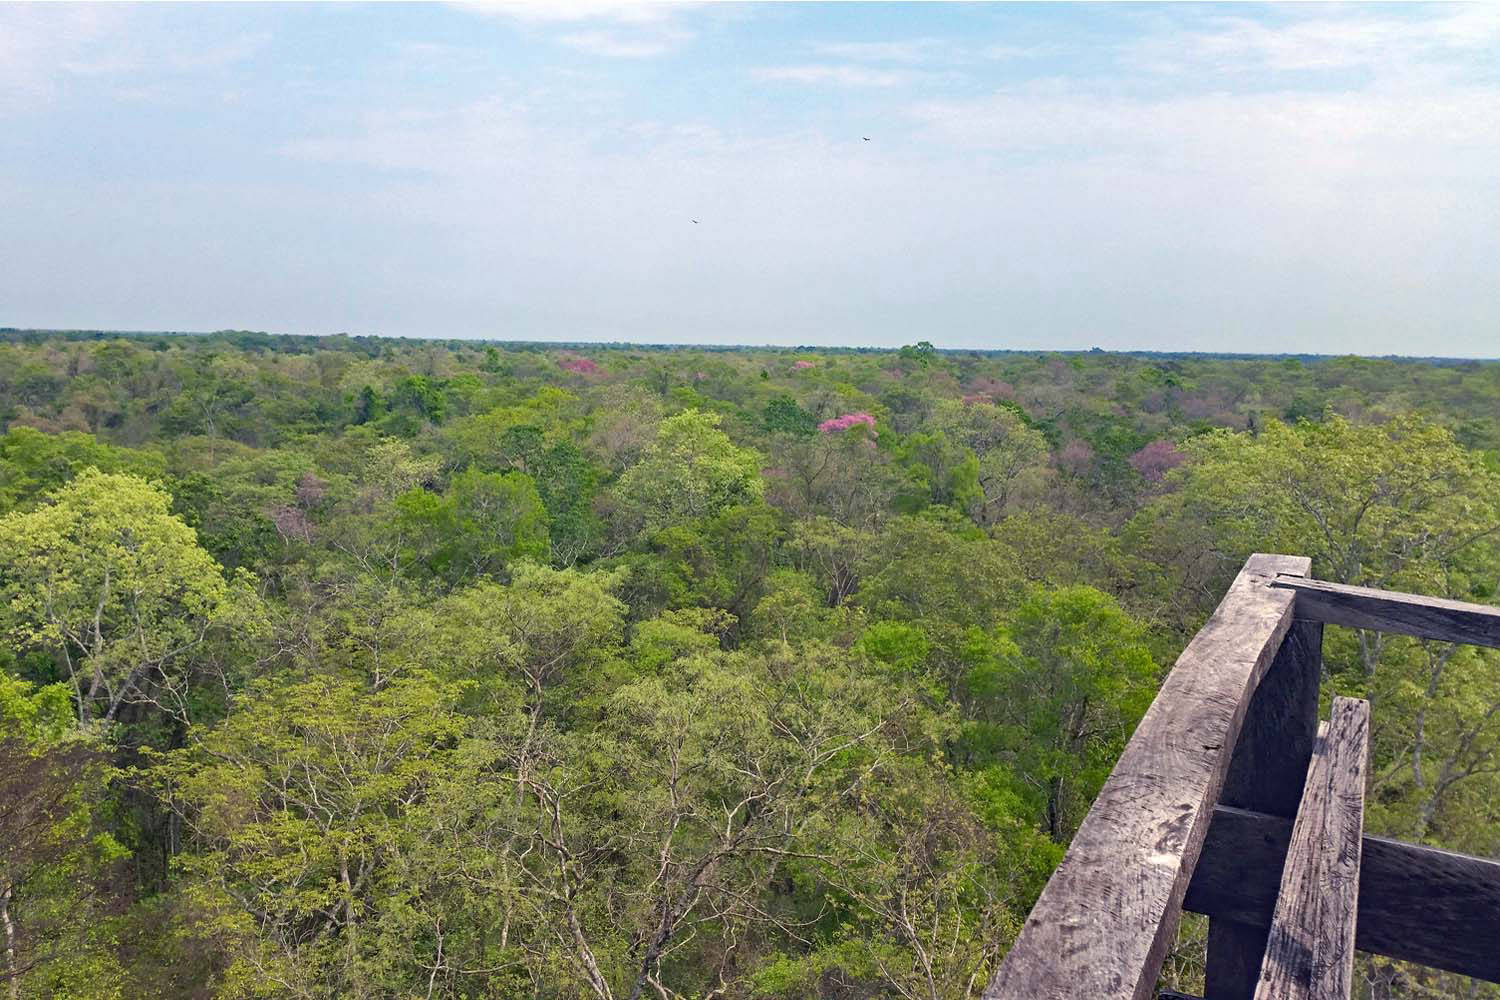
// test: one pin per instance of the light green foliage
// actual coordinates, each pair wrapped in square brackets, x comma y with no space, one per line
[481,524]
[1437,740]
[32,463]
[1009,457]
[299,806]
[1396,504]
[539,692]
[720,560]
[938,566]
[544,628]
[106,579]
[1057,697]
[691,470]
[676,635]
[55,931]
[793,606]
[38,716]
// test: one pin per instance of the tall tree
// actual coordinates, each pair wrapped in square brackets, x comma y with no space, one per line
[691,470]
[112,584]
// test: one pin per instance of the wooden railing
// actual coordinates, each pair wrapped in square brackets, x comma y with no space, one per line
[1231,801]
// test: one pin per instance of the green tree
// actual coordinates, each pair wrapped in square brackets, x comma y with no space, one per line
[54,853]
[691,470]
[33,463]
[299,808]
[782,415]
[1055,699]
[1010,457]
[105,579]
[483,523]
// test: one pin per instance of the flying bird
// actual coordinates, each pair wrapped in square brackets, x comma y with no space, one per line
[695,222]
[866,138]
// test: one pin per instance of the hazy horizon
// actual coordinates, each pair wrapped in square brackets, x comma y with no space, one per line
[1172,178]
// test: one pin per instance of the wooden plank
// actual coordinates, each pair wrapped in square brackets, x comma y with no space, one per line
[1310,948]
[1266,774]
[1418,904]
[1107,916]
[1393,611]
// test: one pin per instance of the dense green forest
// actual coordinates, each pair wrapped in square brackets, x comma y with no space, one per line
[353,667]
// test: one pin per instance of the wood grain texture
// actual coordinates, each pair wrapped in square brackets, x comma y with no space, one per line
[1107,916]
[1393,611]
[1310,948]
[1266,774]
[1419,904]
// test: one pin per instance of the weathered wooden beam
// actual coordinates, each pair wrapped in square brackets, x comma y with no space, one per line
[1266,775]
[1109,913]
[1310,948]
[1393,611]
[1418,904]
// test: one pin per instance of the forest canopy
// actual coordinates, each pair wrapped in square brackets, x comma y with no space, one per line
[350,667]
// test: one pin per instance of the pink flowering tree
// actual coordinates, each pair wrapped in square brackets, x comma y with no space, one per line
[847,421]
[1076,457]
[1156,459]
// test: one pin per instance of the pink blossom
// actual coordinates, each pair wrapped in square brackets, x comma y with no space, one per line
[1076,456]
[582,366]
[847,421]
[1157,459]
[799,365]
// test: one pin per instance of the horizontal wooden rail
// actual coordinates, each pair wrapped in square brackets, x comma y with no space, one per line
[1109,913]
[1393,611]
[1416,903]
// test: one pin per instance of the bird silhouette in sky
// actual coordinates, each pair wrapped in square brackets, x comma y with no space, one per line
[866,138]
[695,222]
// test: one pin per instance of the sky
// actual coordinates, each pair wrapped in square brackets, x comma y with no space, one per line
[1179,177]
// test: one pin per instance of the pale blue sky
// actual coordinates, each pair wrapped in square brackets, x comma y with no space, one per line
[1174,177]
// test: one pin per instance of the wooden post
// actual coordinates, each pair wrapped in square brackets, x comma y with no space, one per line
[1266,776]
[1310,950]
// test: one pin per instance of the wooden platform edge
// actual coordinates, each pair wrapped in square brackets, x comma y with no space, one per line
[1105,920]
[1310,947]
[1393,611]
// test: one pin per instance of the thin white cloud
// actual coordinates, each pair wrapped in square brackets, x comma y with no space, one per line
[1321,41]
[618,45]
[842,75]
[1003,51]
[616,30]
[915,50]
[1372,132]
[547,11]
[43,46]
